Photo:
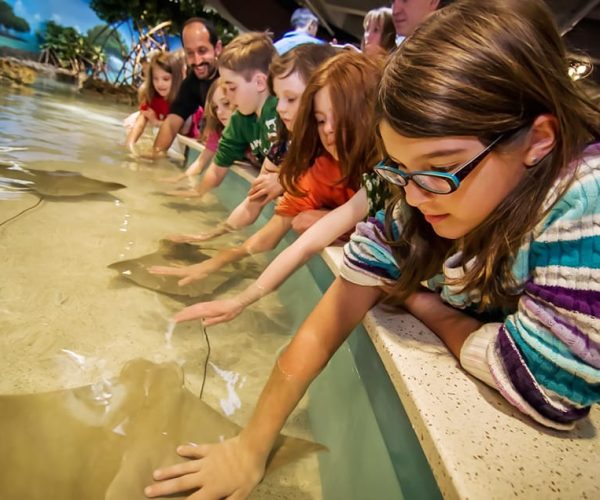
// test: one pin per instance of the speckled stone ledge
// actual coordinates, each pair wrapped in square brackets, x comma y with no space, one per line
[477,444]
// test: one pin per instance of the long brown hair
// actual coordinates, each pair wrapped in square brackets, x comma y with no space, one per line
[210,121]
[172,63]
[352,80]
[482,69]
[382,17]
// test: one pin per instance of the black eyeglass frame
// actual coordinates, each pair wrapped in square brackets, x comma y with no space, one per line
[453,179]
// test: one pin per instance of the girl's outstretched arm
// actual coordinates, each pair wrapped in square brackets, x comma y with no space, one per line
[234,467]
[264,240]
[323,233]
[136,131]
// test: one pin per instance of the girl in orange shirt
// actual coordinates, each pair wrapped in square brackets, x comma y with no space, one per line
[326,160]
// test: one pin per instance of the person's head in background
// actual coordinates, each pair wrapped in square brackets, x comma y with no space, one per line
[164,77]
[244,67]
[336,118]
[522,115]
[202,47]
[289,74]
[408,14]
[303,20]
[379,32]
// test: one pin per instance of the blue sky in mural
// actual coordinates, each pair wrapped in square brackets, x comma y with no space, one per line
[75,13]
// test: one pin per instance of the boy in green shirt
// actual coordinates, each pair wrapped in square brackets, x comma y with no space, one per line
[244,67]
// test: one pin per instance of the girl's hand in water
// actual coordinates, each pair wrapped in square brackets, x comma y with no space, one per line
[188,274]
[185,238]
[168,270]
[173,179]
[211,313]
[132,149]
[184,193]
[224,470]
[196,238]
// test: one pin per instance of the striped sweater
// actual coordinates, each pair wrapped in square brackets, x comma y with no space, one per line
[545,357]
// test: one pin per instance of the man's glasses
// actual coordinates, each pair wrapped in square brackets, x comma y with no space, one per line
[434,182]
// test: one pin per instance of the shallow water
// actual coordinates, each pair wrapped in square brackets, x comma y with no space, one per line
[67,320]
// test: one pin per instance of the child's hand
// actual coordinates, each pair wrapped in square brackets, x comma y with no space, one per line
[198,238]
[130,145]
[211,313]
[265,187]
[184,238]
[173,179]
[188,274]
[151,154]
[168,270]
[184,193]
[224,470]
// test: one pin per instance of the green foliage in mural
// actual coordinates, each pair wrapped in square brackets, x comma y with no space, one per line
[10,21]
[67,48]
[148,13]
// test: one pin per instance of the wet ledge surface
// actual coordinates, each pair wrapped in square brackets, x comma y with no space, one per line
[477,444]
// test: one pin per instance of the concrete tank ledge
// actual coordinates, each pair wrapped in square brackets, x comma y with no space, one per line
[477,445]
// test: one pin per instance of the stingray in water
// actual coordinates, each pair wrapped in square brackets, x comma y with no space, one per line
[170,253]
[55,183]
[104,443]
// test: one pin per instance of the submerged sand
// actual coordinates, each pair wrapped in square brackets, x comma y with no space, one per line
[67,320]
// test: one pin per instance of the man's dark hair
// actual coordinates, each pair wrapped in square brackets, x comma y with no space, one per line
[213,36]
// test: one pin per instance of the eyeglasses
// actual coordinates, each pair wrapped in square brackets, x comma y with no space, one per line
[434,182]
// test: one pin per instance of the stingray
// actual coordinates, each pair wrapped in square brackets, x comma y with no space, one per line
[54,183]
[184,254]
[104,442]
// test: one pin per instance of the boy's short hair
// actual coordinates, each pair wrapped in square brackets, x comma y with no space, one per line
[248,53]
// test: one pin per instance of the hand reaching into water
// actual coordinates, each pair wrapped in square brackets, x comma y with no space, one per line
[185,238]
[197,238]
[265,187]
[175,179]
[226,470]
[188,274]
[184,193]
[211,313]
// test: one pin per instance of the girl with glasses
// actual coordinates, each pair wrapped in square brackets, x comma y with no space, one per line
[496,151]
[509,251]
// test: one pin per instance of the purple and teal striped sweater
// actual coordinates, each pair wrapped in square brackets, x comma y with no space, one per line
[545,357]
